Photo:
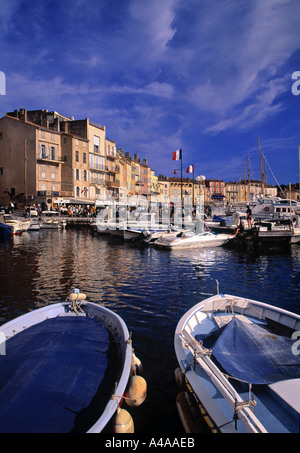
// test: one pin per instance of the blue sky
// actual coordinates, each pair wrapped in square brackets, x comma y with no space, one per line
[205,76]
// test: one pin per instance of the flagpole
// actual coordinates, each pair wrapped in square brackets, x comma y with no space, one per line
[181,186]
[193,188]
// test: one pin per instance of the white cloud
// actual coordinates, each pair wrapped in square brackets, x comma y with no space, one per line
[152,22]
[6,11]
[239,61]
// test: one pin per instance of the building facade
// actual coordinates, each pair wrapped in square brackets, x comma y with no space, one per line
[30,161]
[49,159]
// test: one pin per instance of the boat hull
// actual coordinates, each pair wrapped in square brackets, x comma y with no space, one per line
[199,241]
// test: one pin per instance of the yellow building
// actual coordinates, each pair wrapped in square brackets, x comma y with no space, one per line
[75,171]
[94,134]
[113,169]
[122,175]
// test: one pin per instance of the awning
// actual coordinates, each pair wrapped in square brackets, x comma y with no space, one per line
[79,201]
[73,201]
[218,196]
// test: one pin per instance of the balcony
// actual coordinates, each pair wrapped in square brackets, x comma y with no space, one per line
[99,167]
[51,159]
[97,181]
[49,193]
[114,169]
[111,154]
[113,184]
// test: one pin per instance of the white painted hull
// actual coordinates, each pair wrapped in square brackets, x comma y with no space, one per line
[197,241]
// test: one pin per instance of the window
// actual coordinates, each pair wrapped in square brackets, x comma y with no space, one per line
[84,175]
[1,136]
[1,171]
[77,156]
[84,158]
[96,144]
[42,134]
[52,153]
[43,172]
[77,174]
[53,172]
[102,163]
[43,151]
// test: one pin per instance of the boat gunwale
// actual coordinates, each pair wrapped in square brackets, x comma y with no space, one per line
[200,306]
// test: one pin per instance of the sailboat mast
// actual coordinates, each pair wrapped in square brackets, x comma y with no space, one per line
[249,177]
[299,171]
[261,170]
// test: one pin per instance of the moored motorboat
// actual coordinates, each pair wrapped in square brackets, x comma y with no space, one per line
[34,225]
[189,239]
[66,367]
[9,228]
[239,360]
[52,224]
[19,223]
[146,235]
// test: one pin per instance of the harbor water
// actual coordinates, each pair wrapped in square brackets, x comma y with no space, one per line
[149,288]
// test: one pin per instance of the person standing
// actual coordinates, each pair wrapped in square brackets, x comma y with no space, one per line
[249,216]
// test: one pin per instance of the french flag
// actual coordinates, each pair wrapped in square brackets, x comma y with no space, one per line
[190,169]
[176,155]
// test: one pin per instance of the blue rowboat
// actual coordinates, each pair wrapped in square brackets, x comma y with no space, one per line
[65,368]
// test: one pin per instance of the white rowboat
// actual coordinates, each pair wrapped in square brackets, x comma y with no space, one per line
[239,359]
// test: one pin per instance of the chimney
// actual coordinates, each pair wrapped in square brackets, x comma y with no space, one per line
[23,114]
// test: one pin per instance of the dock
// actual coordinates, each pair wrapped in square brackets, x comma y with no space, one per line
[256,237]
[77,222]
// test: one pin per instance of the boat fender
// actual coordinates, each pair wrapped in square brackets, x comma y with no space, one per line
[179,379]
[122,422]
[77,296]
[136,391]
[190,414]
[136,365]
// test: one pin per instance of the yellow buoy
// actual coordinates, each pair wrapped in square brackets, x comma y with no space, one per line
[77,296]
[122,422]
[136,391]
[136,364]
